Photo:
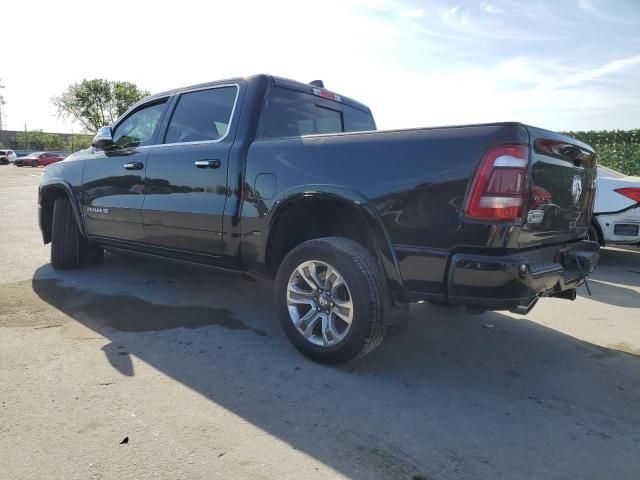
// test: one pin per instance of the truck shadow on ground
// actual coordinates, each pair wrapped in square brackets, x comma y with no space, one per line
[617,278]
[457,396]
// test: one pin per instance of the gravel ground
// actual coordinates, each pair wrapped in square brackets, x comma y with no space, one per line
[189,367]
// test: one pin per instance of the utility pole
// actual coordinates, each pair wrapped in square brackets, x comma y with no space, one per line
[2,104]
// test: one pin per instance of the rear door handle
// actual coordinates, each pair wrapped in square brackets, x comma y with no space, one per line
[208,163]
[134,166]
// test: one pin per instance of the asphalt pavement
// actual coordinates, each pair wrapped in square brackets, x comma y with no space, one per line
[143,368]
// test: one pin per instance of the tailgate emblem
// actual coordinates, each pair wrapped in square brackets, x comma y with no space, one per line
[576,189]
[535,216]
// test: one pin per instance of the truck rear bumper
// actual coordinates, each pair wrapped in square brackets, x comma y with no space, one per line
[516,282]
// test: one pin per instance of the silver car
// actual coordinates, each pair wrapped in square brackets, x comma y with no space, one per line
[7,157]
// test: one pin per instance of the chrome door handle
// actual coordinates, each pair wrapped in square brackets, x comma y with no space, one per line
[208,163]
[134,166]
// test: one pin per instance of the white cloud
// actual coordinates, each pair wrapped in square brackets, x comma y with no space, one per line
[411,12]
[491,8]
[477,27]
[453,16]
[517,89]
[596,73]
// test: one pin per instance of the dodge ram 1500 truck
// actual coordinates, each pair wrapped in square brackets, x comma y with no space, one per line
[291,181]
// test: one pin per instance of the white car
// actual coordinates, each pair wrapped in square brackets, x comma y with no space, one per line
[7,156]
[616,214]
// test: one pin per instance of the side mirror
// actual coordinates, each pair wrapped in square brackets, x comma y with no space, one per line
[103,139]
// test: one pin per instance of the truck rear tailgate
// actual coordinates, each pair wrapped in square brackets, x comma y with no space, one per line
[562,189]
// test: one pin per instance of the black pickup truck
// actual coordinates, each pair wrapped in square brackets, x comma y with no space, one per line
[291,181]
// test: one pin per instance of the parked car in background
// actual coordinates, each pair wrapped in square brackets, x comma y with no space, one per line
[616,215]
[39,159]
[7,157]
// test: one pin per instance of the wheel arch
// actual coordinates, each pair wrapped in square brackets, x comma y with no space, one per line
[47,196]
[285,212]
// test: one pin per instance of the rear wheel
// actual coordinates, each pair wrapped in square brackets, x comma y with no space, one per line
[69,249]
[330,299]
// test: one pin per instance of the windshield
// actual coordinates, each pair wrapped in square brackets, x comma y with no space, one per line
[607,172]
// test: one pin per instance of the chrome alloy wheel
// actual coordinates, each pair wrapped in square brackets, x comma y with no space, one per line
[320,304]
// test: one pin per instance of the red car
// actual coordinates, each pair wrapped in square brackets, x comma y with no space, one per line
[36,159]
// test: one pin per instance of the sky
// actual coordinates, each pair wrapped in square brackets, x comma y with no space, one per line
[561,64]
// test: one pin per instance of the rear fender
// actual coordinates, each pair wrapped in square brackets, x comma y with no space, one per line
[382,242]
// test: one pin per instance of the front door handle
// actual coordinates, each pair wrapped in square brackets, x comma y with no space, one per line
[208,163]
[134,166]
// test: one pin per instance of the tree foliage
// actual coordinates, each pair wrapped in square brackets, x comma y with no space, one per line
[96,103]
[39,140]
[618,149]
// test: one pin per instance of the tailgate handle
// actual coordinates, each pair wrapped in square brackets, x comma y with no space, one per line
[208,163]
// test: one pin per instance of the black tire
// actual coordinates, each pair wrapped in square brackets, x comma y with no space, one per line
[365,282]
[34,163]
[69,248]
[593,234]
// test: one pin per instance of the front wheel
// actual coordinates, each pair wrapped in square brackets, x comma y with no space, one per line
[34,163]
[330,299]
[69,248]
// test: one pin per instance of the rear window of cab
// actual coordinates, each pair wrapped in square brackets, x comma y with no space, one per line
[290,113]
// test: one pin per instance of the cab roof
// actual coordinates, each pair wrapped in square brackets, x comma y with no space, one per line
[276,81]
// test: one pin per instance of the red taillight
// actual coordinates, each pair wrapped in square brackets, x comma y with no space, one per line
[499,188]
[630,192]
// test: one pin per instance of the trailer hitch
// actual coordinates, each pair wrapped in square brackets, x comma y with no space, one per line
[582,262]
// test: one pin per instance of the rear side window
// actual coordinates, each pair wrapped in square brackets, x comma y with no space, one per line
[292,114]
[202,116]
[357,120]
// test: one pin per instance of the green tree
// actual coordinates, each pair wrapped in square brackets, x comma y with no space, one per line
[39,140]
[55,142]
[33,139]
[618,149]
[96,103]
[78,142]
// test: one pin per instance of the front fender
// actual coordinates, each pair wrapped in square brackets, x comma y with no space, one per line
[48,191]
